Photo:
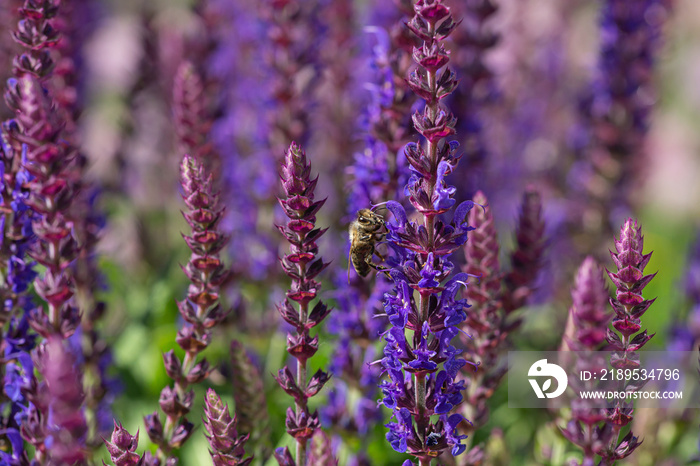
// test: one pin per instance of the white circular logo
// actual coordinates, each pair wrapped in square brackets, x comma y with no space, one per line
[543,369]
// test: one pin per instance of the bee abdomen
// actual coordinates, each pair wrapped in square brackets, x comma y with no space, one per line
[361,266]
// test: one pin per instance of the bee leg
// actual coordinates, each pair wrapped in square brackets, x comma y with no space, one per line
[379,256]
[377,267]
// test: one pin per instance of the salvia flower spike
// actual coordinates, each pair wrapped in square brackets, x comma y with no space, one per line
[526,259]
[485,327]
[249,395]
[421,388]
[227,447]
[201,310]
[589,318]
[628,337]
[302,265]
[57,363]
[50,160]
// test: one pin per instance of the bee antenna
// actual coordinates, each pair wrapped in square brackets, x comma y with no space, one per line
[378,205]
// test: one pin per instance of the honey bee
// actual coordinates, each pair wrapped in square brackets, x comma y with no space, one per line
[364,235]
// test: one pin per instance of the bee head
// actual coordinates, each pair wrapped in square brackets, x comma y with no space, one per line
[367,217]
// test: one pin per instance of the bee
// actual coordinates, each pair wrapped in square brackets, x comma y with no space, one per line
[364,235]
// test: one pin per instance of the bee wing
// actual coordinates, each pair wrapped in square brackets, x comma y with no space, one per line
[351,234]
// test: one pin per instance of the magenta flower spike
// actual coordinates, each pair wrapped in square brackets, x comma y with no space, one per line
[200,310]
[485,326]
[302,265]
[589,310]
[227,447]
[624,337]
[50,161]
[589,316]
[629,304]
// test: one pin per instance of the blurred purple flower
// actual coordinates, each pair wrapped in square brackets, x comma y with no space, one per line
[528,256]
[589,318]
[684,335]
[615,111]
[240,133]
[473,39]
[379,170]
[67,426]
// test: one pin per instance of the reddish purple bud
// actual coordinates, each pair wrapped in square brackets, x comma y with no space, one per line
[174,406]
[284,457]
[318,380]
[182,432]
[154,428]
[172,365]
[285,379]
[303,425]
[302,346]
[431,10]
[123,446]
[199,372]
[227,447]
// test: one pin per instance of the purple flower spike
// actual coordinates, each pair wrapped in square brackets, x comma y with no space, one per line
[66,396]
[589,309]
[526,259]
[190,111]
[422,369]
[302,265]
[486,327]
[293,29]
[615,113]
[587,330]
[50,160]
[629,306]
[226,445]
[201,310]
[379,171]
[474,38]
